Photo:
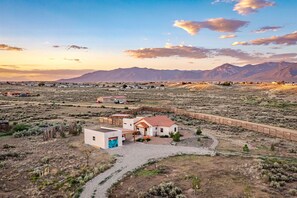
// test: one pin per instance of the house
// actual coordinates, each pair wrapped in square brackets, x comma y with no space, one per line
[152,126]
[104,138]
[112,99]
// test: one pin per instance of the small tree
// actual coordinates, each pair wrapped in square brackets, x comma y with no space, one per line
[245,148]
[176,137]
[198,131]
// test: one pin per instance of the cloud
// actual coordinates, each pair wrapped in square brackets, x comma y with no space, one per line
[215,24]
[227,36]
[72,59]
[245,7]
[267,28]
[187,52]
[68,47]
[35,74]
[10,48]
[239,43]
[168,51]
[76,47]
[288,39]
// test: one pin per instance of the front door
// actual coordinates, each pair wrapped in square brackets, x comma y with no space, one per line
[113,142]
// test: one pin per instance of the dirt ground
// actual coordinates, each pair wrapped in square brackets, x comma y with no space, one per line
[198,176]
[55,168]
[58,167]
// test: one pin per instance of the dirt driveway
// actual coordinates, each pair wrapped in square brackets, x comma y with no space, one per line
[130,157]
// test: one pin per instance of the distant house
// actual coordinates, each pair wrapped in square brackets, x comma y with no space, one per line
[112,99]
[103,137]
[152,126]
[17,94]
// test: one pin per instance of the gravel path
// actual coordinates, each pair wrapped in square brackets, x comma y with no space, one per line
[130,157]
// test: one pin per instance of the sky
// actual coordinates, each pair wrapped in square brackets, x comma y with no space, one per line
[49,40]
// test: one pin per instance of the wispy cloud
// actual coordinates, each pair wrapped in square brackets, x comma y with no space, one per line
[288,39]
[202,53]
[227,36]
[267,28]
[215,24]
[76,47]
[36,74]
[68,47]
[187,52]
[239,43]
[10,48]
[72,59]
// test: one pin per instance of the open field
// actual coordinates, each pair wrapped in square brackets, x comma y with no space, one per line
[34,164]
[203,176]
[269,104]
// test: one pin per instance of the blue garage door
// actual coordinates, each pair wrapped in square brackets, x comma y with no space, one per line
[113,142]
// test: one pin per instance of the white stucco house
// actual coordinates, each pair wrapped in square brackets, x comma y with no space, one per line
[151,126]
[103,137]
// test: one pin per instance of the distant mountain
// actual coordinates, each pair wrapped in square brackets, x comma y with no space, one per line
[269,71]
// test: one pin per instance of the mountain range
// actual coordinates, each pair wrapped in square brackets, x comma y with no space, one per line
[268,71]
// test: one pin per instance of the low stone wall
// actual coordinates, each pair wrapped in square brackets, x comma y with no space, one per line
[284,133]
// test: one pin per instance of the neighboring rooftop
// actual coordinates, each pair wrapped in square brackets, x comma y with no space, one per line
[100,129]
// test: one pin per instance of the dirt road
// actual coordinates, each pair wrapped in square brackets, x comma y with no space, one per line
[130,157]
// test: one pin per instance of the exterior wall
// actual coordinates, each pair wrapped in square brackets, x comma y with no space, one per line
[101,138]
[130,123]
[167,130]
[114,134]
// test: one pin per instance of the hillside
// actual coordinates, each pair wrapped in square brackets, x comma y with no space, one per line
[269,71]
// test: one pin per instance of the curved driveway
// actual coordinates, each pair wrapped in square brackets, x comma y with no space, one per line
[130,157]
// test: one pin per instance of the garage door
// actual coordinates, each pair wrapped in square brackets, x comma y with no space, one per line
[113,142]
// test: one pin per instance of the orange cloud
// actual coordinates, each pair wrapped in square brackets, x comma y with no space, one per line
[215,24]
[245,7]
[10,48]
[288,39]
[7,74]
[188,52]
[227,36]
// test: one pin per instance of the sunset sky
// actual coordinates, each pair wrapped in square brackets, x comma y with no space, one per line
[53,39]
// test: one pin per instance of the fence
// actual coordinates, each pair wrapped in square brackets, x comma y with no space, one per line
[279,132]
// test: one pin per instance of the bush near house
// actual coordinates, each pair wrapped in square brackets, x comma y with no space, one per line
[198,131]
[176,137]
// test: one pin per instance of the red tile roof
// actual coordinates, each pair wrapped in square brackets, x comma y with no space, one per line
[158,121]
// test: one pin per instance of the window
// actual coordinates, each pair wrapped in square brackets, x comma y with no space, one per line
[162,130]
[175,129]
[94,138]
[130,124]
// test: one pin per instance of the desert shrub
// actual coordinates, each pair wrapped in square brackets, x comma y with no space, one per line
[126,108]
[272,147]
[20,127]
[176,137]
[102,106]
[29,132]
[245,148]
[168,190]
[198,131]
[293,192]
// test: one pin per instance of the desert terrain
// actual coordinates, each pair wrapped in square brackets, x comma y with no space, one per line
[61,166]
